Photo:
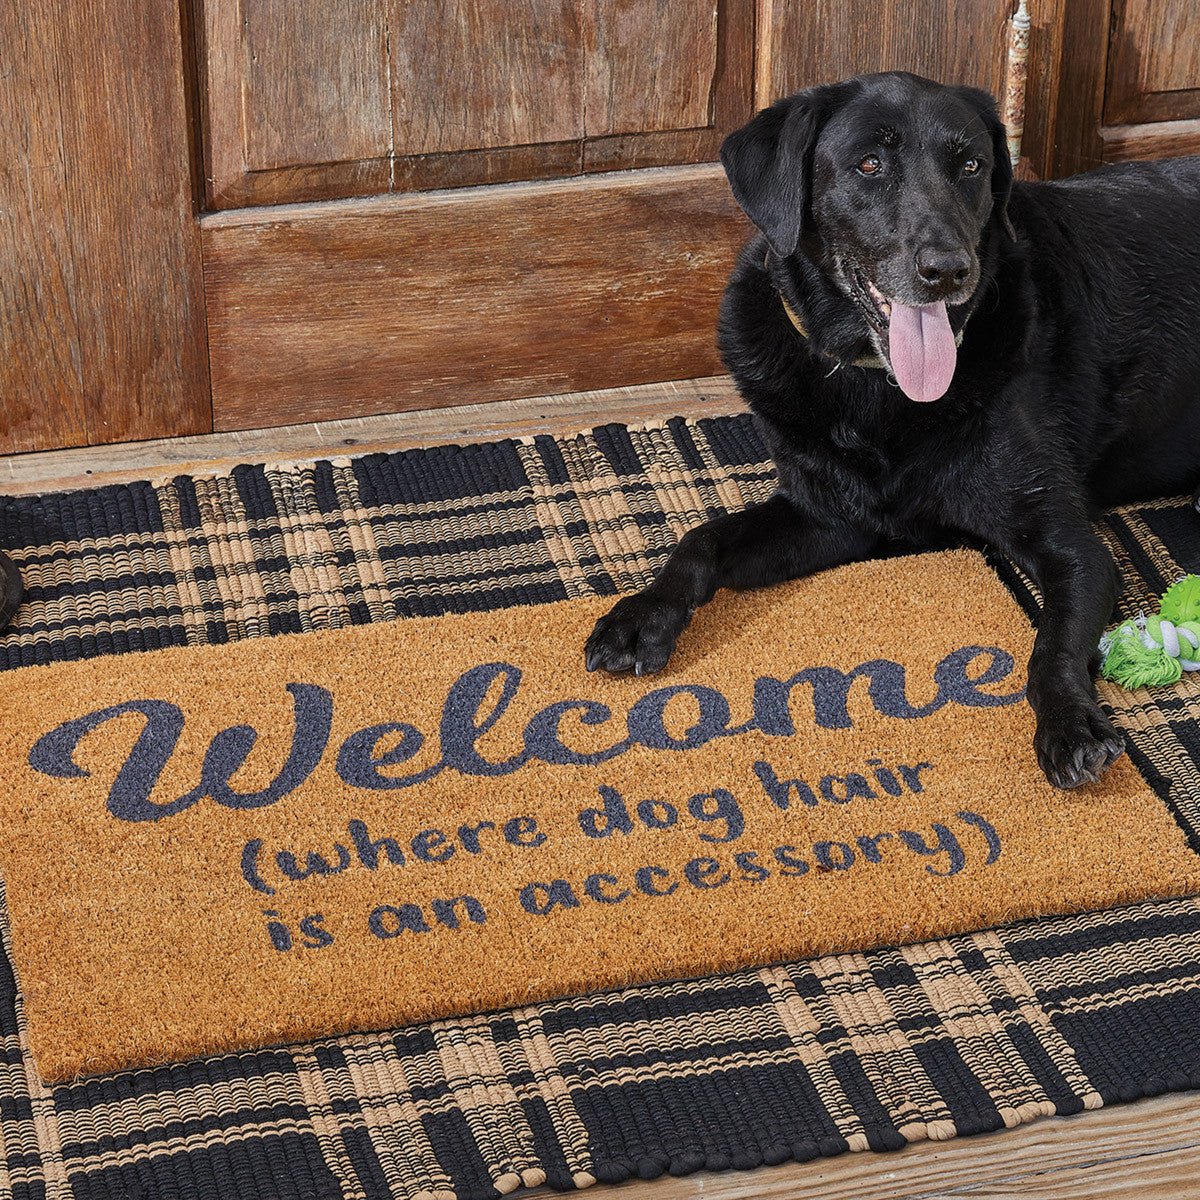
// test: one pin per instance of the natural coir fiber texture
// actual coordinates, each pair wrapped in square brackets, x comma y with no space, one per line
[221,847]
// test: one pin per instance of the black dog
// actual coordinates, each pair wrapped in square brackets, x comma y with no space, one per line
[890,229]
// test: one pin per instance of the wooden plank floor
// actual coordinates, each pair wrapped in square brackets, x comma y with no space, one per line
[1150,1150]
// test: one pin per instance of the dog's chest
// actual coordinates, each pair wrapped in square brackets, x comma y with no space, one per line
[897,477]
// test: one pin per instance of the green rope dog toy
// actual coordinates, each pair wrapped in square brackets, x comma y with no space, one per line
[1155,651]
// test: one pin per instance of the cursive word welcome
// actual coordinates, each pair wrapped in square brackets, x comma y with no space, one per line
[478,700]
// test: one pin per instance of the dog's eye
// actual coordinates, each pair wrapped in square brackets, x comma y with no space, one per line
[971,167]
[869,165]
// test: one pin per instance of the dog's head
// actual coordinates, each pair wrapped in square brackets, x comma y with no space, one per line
[888,184]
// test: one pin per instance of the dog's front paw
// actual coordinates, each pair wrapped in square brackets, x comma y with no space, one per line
[1076,743]
[638,633]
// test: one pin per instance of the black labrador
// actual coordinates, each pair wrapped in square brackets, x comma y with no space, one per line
[936,353]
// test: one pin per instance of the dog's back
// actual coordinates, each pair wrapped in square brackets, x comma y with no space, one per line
[1115,257]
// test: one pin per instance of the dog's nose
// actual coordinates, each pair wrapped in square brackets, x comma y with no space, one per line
[943,268]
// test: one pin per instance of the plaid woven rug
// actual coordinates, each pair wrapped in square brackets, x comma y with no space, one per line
[847,1052]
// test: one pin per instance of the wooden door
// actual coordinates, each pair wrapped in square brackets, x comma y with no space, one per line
[602,261]
[1152,89]
[402,203]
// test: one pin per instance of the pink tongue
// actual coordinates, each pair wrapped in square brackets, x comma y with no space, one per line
[921,347]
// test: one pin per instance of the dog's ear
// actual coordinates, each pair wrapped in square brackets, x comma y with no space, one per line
[1002,165]
[769,164]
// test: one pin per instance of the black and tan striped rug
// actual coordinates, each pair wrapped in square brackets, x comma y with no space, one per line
[853,1051]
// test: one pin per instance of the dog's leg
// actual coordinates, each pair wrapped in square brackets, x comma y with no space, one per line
[765,543]
[1075,742]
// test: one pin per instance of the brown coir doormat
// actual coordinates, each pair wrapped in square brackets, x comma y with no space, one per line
[215,848]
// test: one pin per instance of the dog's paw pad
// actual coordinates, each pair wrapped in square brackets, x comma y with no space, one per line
[1076,744]
[638,635]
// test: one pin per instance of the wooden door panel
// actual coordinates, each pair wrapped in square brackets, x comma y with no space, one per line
[421,301]
[295,100]
[1172,61]
[316,99]
[1153,62]
[481,74]
[953,41]
[688,124]
[314,82]
[650,65]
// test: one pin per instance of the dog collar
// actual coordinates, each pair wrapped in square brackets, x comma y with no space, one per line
[873,361]
[868,361]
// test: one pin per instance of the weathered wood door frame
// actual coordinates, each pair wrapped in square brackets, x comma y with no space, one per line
[102,328]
